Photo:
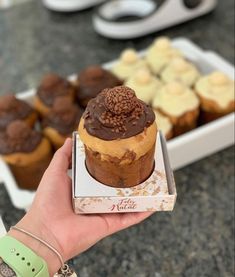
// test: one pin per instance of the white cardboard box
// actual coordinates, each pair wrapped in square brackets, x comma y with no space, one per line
[157,193]
[184,149]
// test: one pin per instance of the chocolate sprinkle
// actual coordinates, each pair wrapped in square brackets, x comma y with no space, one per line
[117,114]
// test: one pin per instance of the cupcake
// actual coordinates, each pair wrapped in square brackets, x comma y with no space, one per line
[180,70]
[160,53]
[128,64]
[180,104]
[12,109]
[61,121]
[119,134]
[216,93]
[26,152]
[144,84]
[92,81]
[164,125]
[50,88]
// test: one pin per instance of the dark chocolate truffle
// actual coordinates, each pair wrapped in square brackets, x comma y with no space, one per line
[117,113]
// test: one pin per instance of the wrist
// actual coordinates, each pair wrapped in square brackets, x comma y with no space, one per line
[36,246]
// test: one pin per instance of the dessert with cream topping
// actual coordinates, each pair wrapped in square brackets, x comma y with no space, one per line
[92,80]
[61,121]
[164,125]
[160,53]
[12,109]
[180,104]
[128,64]
[119,134]
[180,70]
[144,84]
[216,93]
[51,87]
[27,153]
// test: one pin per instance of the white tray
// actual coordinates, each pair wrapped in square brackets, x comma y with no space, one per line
[183,149]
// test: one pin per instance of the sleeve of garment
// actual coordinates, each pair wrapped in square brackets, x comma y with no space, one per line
[5,270]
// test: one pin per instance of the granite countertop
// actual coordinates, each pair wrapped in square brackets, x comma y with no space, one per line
[197,238]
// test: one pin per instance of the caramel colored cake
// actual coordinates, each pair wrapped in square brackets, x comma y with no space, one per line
[119,134]
[26,152]
[12,109]
[128,63]
[216,93]
[180,104]
[92,81]
[145,85]
[51,87]
[61,121]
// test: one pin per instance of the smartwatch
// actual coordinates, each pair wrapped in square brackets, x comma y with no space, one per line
[22,259]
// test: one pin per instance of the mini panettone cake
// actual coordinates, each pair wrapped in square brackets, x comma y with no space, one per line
[26,152]
[144,84]
[61,121]
[119,134]
[128,63]
[180,104]
[217,96]
[160,54]
[51,87]
[180,70]
[12,109]
[91,81]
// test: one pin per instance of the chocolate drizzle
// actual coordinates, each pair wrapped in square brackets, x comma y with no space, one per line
[64,116]
[117,114]
[12,109]
[53,86]
[18,137]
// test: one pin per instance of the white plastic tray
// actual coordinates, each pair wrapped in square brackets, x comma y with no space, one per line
[183,149]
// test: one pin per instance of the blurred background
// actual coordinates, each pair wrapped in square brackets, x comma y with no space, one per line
[197,238]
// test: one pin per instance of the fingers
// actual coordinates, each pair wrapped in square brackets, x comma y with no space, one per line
[130,219]
[116,222]
[62,158]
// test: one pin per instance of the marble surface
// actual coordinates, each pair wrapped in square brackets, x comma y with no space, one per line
[197,238]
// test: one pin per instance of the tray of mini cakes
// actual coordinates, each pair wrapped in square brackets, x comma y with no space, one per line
[190,91]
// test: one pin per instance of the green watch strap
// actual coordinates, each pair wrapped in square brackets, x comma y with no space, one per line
[22,259]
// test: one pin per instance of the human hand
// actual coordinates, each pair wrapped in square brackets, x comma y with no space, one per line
[51,216]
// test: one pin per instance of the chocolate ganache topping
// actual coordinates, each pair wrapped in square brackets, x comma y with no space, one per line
[18,137]
[64,116]
[117,114]
[93,80]
[12,109]
[53,86]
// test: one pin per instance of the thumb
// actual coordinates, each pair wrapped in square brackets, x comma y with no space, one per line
[62,158]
